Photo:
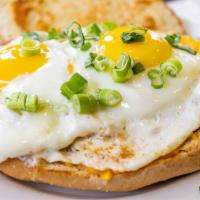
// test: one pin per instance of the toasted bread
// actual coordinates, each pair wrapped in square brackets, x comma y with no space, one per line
[22,15]
[186,159]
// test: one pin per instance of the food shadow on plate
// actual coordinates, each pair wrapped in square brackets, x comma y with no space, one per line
[74,194]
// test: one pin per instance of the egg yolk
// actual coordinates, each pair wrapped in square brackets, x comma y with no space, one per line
[188,41]
[151,52]
[13,65]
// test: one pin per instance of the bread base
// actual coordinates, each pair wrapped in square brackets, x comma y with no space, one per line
[184,160]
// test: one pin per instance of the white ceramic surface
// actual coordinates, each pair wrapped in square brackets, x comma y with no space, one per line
[184,188]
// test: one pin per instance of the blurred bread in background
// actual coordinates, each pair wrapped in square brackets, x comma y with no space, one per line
[25,15]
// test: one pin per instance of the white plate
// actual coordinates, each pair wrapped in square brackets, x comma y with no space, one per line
[184,188]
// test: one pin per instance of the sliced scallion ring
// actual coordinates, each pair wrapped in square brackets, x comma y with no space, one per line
[138,68]
[30,47]
[84,103]
[75,35]
[123,71]
[108,97]
[101,63]
[171,67]
[23,102]
[153,73]
[31,103]
[76,84]
[158,82]
[93,29]
[157,78]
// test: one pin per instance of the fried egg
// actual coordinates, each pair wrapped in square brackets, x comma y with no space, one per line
[148,123]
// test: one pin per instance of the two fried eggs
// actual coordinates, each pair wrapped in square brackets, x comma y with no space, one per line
[147,124]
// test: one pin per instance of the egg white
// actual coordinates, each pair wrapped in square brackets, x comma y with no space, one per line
[155,122]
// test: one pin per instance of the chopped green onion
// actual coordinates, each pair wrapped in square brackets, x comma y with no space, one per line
[84,103]
[101,63]
[55,34]
[31,103]
[130,37]
[20,101]
[76,84]
[93,29]
[140,28]
[138,68]
[30,47]
[75,35]
[30,35]
[90,61]
[86,46]
[108,26]
[11,101]
[123,70]
[174,40]
[171,67]
[157,78]
[158,82]
[107,97]
[187,49]
[153,73]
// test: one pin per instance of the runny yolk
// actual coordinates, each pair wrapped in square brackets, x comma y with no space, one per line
[153,51]
[13,65]
[188,41]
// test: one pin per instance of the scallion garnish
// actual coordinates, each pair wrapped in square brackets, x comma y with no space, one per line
[171,67]
[122,72]
[84,103]
[86,46]
[90,61]
[130,37]
[22,102]
[56,35]
[93,29]
[76,84]
[108,26]
[75,35]
[101,63]
[30,35]
[157,76]
[30,47]
[138,68]
[174,41]
[108,97]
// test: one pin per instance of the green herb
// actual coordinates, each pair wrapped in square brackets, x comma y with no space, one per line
[93,29]
[174,40]
[108,97]
[90,61]
[157,78]
[123,70]
[30,47]
[138,68]
[86,46]
[55,34]
[101,63]
[75,35]
[76,84]
[22,102]
[30,35]
[170,68]
[84,103]
[130,37]
[108,26]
